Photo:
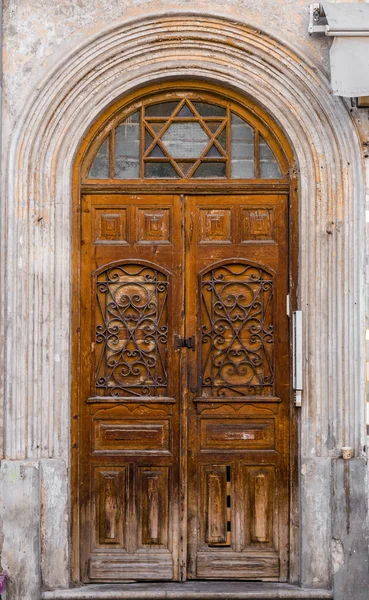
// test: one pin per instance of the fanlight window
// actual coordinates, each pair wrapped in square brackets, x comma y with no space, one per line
[185,139]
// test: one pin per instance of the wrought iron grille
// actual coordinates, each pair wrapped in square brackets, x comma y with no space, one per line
[131,331]
[237,331]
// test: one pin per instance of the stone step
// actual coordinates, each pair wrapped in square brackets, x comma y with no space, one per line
[190,590]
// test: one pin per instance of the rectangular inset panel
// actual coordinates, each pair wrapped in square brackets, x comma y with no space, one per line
[226,565]
[215,225]
[257,224]
[110,490]
[154,225]
[214,498]
[154,506]
[259,505]
[110,225]
[237,434]
[131,436]
[136,566]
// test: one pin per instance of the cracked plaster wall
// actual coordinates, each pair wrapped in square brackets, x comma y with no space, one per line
[38,33]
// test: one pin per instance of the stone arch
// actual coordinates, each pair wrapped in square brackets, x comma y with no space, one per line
[38,207]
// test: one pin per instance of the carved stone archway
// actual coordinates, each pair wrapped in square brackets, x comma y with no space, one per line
[38,257]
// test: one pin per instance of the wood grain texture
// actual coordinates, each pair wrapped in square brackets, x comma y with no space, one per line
[215,504]
[257,224]
[260,509]
[110,225]
[120,436]
[110,517]
[143,567]
[154,506]
[222,565]
[237,434]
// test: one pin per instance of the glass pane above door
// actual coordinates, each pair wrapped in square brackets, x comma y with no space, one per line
[186,138]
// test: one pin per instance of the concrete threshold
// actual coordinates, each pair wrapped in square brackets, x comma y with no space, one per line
[190,590]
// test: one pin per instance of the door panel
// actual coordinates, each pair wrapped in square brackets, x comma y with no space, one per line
[132,294]
[153,499]
[215,516]
[167,422]
[259,505]
[110,506]
[236,282]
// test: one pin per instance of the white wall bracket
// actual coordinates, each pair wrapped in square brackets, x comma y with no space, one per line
[339,19]
[317,19]
[348,23]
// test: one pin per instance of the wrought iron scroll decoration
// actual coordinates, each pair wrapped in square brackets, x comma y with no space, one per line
[237,331]
[131,331]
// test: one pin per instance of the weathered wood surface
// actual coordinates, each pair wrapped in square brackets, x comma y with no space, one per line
[237,482]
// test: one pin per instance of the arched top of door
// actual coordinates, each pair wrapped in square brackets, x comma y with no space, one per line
[184,132]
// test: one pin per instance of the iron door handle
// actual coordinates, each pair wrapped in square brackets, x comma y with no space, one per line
[180,342]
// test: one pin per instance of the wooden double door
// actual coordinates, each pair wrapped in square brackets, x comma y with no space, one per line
[184,387]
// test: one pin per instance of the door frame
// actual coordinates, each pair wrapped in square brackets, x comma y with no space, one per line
[198,188]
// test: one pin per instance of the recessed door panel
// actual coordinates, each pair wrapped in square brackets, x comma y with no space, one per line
[109,486]
[153,499]
[215,494]
[259,506]
[237,435]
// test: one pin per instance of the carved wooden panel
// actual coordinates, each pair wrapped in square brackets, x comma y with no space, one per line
[257,224]
[110,490]
[237,331]
[131,409]
[236,409]
[215,225]
[110,225]
[259,505]
[154,506]
[143,566]
[154,225]
[127,436]
[237,434]
[223,565]
[216,499]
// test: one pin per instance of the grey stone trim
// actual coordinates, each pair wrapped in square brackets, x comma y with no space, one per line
[200,590]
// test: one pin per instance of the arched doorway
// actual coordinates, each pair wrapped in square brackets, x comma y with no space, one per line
[181,356]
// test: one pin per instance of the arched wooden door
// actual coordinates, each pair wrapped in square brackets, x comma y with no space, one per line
[182,341]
